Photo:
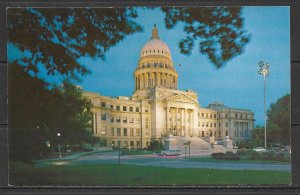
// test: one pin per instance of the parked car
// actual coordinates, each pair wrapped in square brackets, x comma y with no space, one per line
[170,153]
[259,149]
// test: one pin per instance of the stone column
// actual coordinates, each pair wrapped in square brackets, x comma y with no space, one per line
[185,123]
[167,120]
[176,118]
[192,122]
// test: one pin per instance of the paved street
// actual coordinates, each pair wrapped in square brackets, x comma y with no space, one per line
[154,160]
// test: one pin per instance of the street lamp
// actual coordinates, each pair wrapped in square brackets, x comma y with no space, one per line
[264,71]
[58,135]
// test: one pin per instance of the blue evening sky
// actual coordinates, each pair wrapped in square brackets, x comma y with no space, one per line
[237,84]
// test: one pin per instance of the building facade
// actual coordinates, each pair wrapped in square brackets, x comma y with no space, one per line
[158,109]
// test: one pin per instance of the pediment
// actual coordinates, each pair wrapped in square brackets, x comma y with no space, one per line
[182,98]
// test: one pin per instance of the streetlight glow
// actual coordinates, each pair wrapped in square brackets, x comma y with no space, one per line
[58,135]
[264,71]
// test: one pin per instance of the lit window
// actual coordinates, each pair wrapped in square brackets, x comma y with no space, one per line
[131,143]
[147,125]
[112,131]
[103,117]
[130,120]
[103,130]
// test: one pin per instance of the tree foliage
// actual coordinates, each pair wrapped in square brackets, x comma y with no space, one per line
[279,120]
[278,124]
[218,31]
[58,37]
[37,114]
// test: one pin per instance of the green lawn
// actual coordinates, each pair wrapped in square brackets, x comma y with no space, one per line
[242,160]
[114,174]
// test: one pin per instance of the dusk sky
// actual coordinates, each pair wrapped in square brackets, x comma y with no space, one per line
[237,84]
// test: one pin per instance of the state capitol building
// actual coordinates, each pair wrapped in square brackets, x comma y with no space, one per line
[158,109]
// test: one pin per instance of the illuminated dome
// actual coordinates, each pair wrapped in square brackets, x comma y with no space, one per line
[155,67]
[155,46]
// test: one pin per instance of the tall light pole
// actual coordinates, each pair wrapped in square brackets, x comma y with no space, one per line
[264,71]
[58,135]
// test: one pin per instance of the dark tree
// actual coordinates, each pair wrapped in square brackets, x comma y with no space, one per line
[57,38]
[278,124]
[218,31]
[279,116]
[37,113]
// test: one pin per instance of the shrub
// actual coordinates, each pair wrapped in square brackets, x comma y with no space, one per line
[270,156]
[219,155]
[155,145]
[231,156]
[226,156]
[246,152]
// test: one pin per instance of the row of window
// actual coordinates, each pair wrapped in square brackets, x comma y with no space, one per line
[153,51]
[211,133]
[241,133]
[126,132]
[132,144]
[206,115]
[211,124]
[156,65]
[124,120]
[122,108]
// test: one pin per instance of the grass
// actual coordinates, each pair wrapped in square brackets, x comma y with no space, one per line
[243,159]
[132,175]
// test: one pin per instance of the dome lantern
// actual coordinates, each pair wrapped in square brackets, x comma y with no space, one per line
[155,32]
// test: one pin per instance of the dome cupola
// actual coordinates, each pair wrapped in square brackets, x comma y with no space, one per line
[155,67]
[155,46]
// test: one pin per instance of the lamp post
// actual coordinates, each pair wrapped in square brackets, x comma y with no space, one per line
[119,152]
[264,71]
[58,135]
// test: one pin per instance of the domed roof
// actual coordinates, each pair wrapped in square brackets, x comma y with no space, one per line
[155,46]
